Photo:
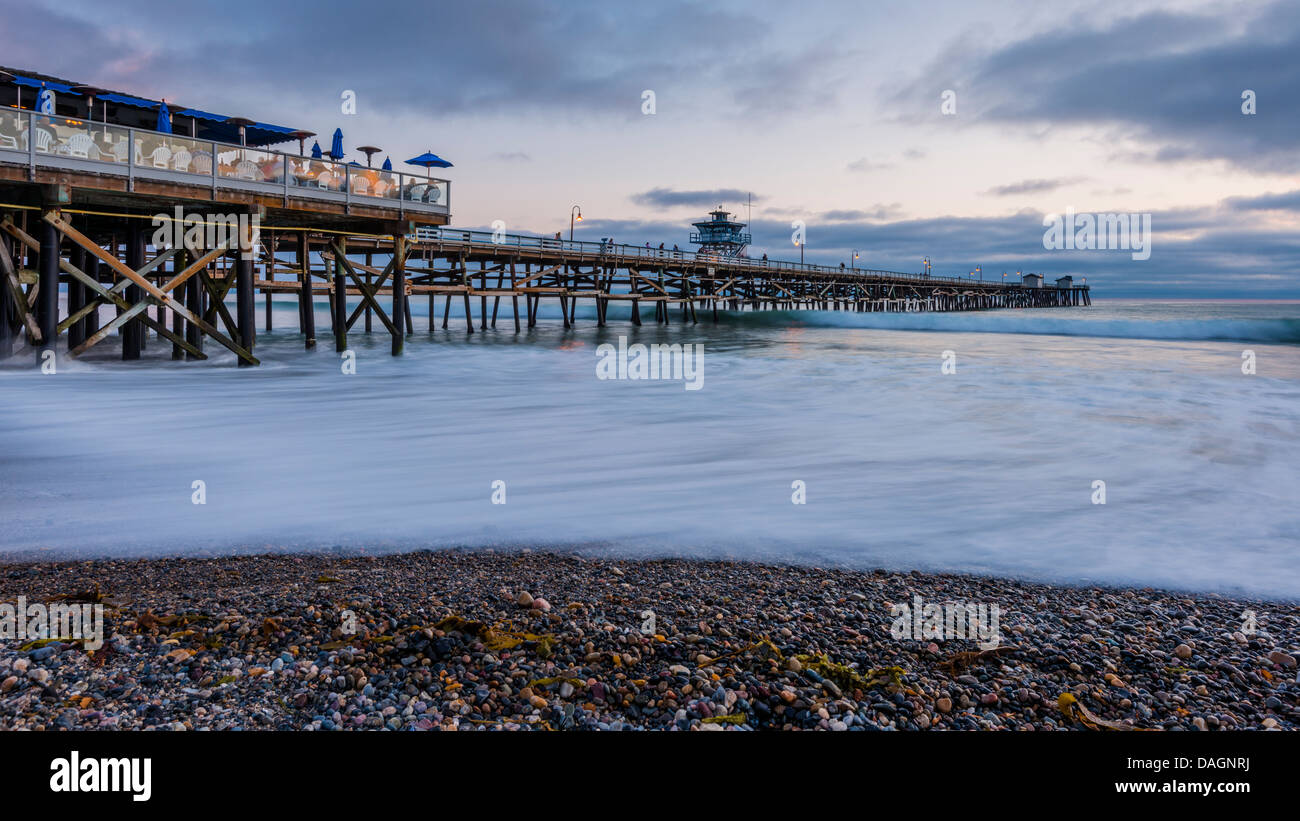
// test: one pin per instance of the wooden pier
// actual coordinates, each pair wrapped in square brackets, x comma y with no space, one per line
[88,226]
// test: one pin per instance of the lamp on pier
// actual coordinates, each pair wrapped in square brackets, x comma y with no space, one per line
[575,210]
[855,256]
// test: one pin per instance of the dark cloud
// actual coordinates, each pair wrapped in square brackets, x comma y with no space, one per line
[864,165]
[1033,186]
[454,57]
[1171,79]
[674,198]
[1289,201]
[879,212]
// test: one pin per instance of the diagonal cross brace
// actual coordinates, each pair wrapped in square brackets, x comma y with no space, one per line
[15,288]
[366,295]
[99,289]
[149,288]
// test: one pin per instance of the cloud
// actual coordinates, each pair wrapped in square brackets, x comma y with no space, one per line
[511,156]
[1288,201]
[673,198]
[1033,186]
[879,212]
[458,58]
[1170,80]
[863,165]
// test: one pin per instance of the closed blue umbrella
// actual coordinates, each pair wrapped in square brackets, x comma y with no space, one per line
[315,151]
[429,160]
[388,164]
[164,118]
[336,147]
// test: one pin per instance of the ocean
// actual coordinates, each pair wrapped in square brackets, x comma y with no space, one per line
[989,465]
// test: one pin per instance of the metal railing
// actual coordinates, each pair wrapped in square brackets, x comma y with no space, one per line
[592,251]
[35,139]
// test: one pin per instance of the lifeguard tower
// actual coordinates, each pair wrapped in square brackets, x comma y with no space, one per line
[720,236]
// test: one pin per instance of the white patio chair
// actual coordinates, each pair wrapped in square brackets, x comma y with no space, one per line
[7,142]
[43,140]
[181,160]
[161,157]
[119,150]
[360,185]
[202,162]
[417,192]
[433,194]
[81,146]
[245,170]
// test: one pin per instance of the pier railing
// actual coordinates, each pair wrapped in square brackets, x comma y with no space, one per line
[44,140]
[587,251]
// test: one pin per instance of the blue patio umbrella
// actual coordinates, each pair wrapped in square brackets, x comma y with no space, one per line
[336,147]
[315,151]
[388,164]
[45,102]
[429,160]
[164,118]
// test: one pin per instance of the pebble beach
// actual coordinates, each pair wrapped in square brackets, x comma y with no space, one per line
[529,640]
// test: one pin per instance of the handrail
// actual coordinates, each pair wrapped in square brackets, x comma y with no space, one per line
[605,250]
[404,180]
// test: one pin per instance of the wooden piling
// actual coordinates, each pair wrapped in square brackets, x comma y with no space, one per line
[47,300]
[340,297]
[305,297]
[399,291]
[245,307]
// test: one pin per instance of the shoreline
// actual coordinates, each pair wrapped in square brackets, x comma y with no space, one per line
[441,640]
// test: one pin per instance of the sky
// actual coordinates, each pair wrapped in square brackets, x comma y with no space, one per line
[896,130]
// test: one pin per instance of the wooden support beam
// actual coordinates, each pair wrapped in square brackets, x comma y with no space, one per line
[15,291]
[307,309]
[113,263]
[366,294]
[92,282]
[47,306]
[398,265]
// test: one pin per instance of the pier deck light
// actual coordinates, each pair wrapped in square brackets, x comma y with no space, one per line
[575,214]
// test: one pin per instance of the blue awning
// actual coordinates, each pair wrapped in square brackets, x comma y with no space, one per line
[126,99]
[221,131]
[214,126]
[62,88]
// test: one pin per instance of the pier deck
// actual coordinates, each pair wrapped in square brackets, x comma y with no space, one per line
[90,225]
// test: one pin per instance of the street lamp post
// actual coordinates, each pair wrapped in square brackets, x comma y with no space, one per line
[855,256]
[577,209]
